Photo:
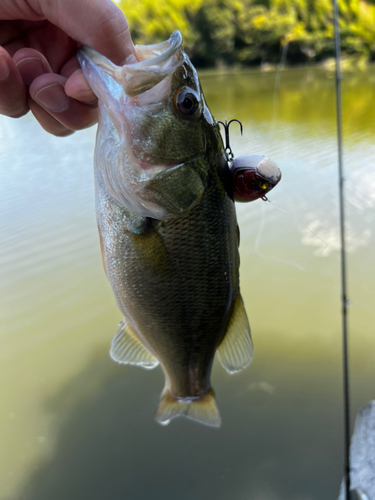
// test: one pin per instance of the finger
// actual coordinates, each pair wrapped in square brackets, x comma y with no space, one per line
[48,91]
[70,67]
[98,23]
[12,89]
[31,64]
[19,10]
[48,122]
[78,88]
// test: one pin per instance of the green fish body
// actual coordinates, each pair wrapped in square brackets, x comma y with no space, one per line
[167,226]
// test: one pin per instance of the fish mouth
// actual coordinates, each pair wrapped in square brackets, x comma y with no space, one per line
[146,55]
[158,53]
[153,63]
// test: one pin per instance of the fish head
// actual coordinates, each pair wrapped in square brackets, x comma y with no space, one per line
[154,128]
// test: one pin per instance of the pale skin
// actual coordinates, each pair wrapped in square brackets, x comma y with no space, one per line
[39,70]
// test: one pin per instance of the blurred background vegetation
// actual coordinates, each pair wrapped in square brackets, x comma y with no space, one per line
[253,32]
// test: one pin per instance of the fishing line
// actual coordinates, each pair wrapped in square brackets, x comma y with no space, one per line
[257,244]
[273,203]
[344,300]
[260,232]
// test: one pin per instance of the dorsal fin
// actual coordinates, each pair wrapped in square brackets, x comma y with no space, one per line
[126,348]
[236,349]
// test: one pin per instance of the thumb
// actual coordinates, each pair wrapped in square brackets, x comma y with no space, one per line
[97,23]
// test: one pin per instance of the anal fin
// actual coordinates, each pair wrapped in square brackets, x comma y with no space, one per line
[202,410]
[126,348]
[236,349]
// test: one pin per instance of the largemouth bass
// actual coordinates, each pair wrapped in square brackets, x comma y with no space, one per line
[167,225]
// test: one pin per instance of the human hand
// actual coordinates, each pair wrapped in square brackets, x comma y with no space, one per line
[39,70]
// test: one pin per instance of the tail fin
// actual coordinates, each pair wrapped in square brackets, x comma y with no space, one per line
[203,410]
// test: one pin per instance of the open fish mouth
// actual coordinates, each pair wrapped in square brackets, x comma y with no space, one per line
[158,53]
[153,63]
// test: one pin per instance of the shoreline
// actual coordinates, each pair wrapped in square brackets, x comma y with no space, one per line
[349,64]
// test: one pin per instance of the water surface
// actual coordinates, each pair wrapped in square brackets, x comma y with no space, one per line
[75,425]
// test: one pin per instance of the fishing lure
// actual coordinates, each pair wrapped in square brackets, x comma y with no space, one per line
[253,176]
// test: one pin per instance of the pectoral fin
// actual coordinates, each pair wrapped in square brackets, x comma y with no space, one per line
[126,348]
[177,189]
[236,349]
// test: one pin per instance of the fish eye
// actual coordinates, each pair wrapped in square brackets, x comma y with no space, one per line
[186,102]
[264,185]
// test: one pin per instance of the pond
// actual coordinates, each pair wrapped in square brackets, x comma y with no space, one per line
[76,425]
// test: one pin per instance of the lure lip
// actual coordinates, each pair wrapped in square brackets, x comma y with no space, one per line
[253,177]
[269,171]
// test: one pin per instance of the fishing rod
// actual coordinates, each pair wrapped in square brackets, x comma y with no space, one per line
[344,299]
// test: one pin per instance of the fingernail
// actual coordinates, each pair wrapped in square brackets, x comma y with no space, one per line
[30,68]
[53,98]
[4,68]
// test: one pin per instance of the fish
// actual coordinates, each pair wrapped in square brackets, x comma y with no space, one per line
[167,225]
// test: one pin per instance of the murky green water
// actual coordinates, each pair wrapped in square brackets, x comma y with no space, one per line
[76,426]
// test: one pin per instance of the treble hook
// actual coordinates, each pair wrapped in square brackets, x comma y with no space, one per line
[228,149]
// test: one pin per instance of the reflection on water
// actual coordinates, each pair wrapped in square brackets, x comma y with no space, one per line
[75,425]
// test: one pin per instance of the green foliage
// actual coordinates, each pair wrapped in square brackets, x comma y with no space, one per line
[248,32]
